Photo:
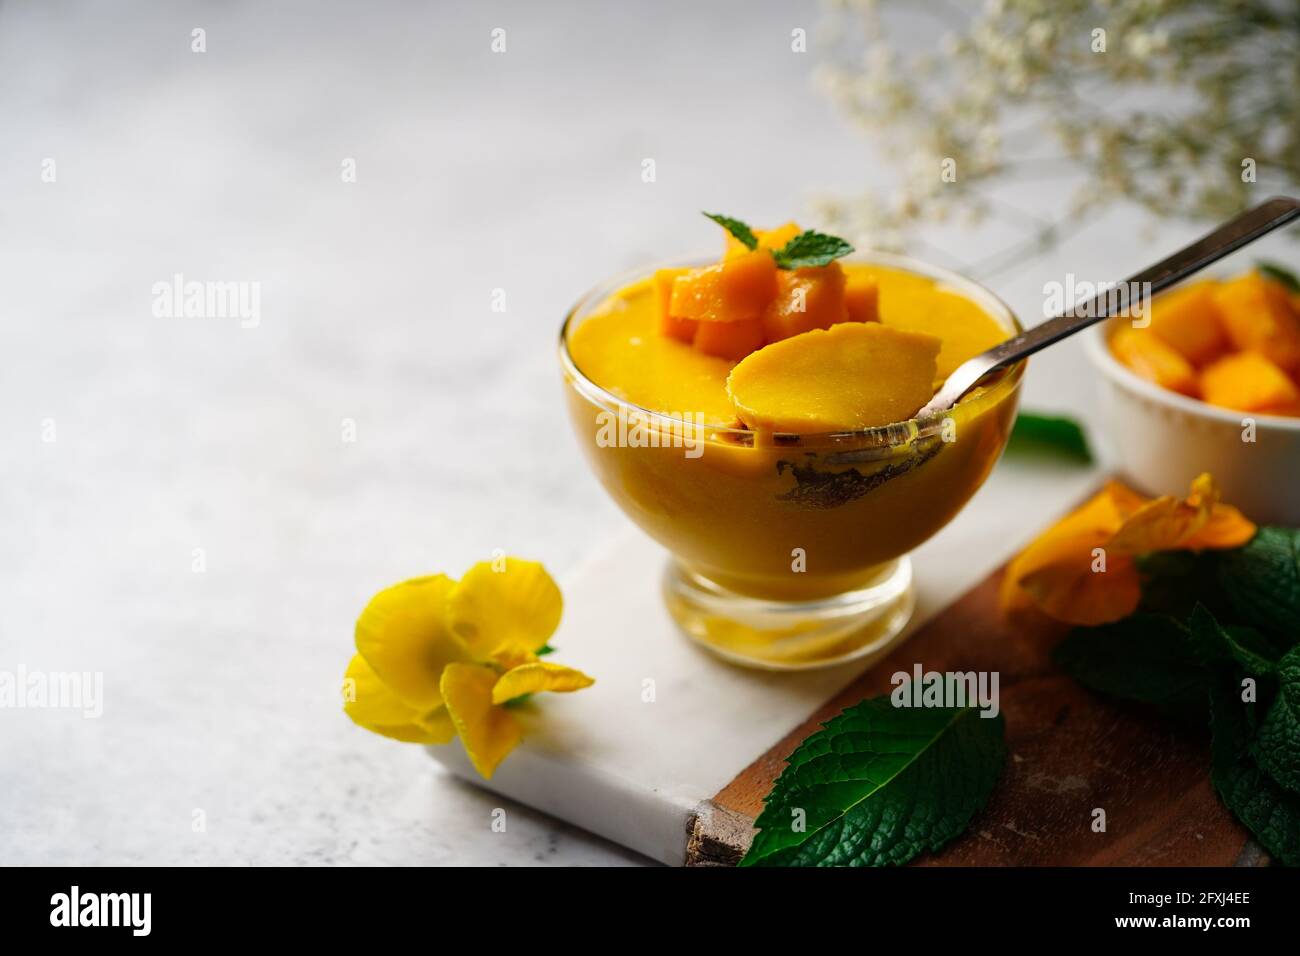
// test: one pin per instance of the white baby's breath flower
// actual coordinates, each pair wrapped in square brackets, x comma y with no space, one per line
[1014,59]
[1139,43]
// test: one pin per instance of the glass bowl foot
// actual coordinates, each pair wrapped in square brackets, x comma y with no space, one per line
[791,635]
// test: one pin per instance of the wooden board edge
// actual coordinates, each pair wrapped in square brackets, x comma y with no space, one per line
[717,836]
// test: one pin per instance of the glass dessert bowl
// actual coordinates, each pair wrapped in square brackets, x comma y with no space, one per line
[788,550]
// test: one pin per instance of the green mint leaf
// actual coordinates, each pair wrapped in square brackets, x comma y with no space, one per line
[1268,810]
[544,650]
[1049,434]
[879,784]
[1244,646]
[1279,273]
[1175,582]
[1276,747]
[810,249]
[737,228]
[1262,580]
[1147,658]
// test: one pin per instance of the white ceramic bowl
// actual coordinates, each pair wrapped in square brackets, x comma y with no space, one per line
[1162,440]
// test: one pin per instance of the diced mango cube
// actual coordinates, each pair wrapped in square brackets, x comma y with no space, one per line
[806,299]
[739,288]
[669,325]
[729,340]
[1150,357]
[862,299]
[1248,382]
[853,375]
[1257,317]
[1188,321]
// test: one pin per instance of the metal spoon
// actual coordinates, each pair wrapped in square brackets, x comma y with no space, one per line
[1229,237]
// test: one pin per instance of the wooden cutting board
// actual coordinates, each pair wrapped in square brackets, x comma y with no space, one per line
[1069,752]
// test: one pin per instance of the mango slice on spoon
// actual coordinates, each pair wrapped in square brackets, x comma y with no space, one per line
[853,375]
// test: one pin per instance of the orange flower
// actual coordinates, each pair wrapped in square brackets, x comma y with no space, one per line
[1083,570]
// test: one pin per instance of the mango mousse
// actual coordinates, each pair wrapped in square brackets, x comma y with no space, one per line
[779,355]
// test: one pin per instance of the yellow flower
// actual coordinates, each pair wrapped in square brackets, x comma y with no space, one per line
[1060,572]
[439,659]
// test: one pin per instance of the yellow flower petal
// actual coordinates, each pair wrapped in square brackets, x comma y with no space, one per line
[370,704]
[488,732]
[367,700]
[1056,570]
[538,676]
[404,637]
[1073,592]
[1157,526]
[416,733]
[507,659]
[1125,499]
[1167,523]
[1012,599]
[439,726]
[505,613]
[1227,528]
[1088,526]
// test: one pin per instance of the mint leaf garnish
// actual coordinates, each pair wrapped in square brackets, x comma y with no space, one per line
[1175,582]
[1049,434]
[737,228]
[877,785]
[1277,744]
[1244,646]
[810,249]
[1147,658]
[1279,273]
[1262,580]
[1267,809]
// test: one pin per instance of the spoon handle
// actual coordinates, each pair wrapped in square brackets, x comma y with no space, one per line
[1229,237]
